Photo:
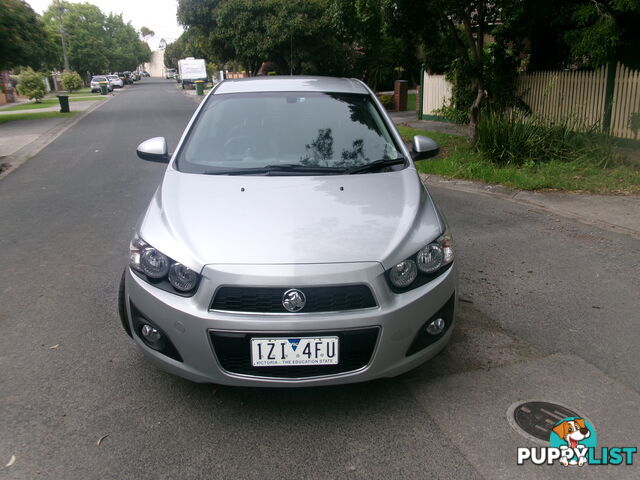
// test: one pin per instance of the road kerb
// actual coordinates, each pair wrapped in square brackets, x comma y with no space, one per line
[524,198]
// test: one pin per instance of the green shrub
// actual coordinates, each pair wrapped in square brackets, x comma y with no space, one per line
[386,101]
[71,81]
[516,139]
[31,85]
[453,114]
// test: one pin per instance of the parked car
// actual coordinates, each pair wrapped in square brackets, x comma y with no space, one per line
[122,77]
[128,78]
[290,243]
[170,73]
[115,81]
[95,83]
[145,74]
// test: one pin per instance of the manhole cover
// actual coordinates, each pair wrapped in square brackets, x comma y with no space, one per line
[536,419]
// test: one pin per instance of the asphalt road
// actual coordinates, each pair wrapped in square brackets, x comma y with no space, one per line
[533,284]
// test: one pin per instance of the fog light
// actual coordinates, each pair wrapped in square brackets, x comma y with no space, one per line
[435,327]
[150,334]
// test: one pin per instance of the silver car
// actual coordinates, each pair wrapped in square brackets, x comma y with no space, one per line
[115,81]
[290,243]
[96,81]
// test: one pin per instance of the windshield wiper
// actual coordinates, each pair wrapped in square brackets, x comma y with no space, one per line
[280,168]
[373,166]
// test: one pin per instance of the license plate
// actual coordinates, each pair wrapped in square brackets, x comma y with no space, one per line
[272,352]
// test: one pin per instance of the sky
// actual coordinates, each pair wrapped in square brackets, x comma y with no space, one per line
[158,15]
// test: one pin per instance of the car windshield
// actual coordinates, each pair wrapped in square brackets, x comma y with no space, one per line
[289,130]
[112,77]
[99,79]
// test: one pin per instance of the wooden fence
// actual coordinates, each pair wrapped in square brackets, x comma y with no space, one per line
[435,93]
[607,99]
[625,114]
[578,97]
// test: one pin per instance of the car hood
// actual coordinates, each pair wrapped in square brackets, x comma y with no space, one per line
[218,219]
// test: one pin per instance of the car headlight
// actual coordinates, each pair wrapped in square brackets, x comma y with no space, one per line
[160,270]
[403,274]
[424,266]
[182,278]
[153,263]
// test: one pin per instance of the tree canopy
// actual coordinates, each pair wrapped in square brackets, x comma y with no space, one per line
[23,40]
[480,44]
[96,43]
[296,35]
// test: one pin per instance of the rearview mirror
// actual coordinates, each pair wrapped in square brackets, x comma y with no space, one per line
[424,147]
[154,150]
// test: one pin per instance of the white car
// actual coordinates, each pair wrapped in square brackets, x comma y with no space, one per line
[115,81]
[96,81]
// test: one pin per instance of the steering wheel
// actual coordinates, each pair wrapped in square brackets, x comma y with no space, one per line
[236,148]
[241,147]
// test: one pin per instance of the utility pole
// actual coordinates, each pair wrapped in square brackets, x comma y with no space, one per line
[60,10]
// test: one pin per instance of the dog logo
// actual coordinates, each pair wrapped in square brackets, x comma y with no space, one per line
[573,435]
[573,441]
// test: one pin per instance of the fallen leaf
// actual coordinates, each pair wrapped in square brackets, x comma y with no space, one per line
[12,461]
[53,347]
[101,439]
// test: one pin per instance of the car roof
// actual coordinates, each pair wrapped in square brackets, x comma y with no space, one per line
[291,84]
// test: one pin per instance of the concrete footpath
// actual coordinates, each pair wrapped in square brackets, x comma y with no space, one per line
[24,138]
[619,214]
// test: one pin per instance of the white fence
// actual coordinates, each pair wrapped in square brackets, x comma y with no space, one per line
[607,100]
[576,96]
[625,114]
[436,93]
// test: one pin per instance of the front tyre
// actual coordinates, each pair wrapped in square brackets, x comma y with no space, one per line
[122,308]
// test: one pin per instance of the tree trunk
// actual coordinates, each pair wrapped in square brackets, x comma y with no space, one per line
[475,108]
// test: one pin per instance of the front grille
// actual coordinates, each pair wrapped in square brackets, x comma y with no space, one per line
[269,300]
[355,348]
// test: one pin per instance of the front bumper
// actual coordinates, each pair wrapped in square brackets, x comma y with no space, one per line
[189,323]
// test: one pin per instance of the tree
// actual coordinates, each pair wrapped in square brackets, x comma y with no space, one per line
[71,81]
[605,31]
[96,43]
[384,33]
[296,35]
[126,50]
[85,35]
[23,40]
[185,46]
[146,33]
[31,85]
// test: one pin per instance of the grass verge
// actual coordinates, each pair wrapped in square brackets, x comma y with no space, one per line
[411,101]
[34,116]
[48,102]
[458,159]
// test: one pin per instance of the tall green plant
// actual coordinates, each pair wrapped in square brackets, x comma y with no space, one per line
[515,139]
[31,85]
[71,81]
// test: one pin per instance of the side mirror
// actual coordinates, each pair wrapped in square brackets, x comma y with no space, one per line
[154,150]
[424,147]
